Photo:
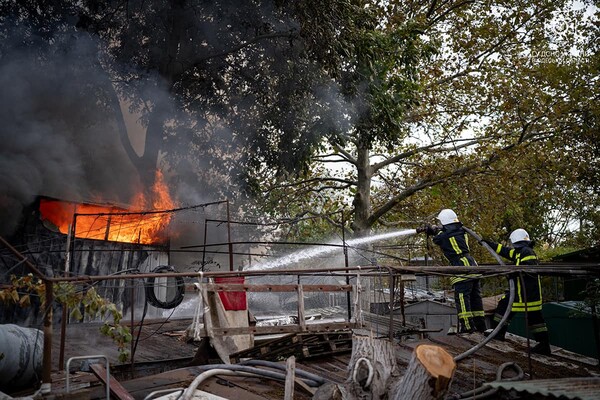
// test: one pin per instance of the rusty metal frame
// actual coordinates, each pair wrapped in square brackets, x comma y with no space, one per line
[89,358]
[371,270]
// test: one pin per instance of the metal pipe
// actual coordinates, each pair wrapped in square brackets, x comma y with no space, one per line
[90,358]
[275,365]
[265,242]
[132,329]
[392,284]
[154,211]
[204,247]
[346,265]
[23,259]
[365,270]
[229,243]
[47,359]
[65,307]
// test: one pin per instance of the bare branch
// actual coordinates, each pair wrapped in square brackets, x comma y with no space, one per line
[430,148]
[345,183]
[434,180]
[348,156]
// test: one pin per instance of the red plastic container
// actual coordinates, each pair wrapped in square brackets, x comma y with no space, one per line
[233,301]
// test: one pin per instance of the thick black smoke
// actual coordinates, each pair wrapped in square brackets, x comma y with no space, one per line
[58,134]
[59,110]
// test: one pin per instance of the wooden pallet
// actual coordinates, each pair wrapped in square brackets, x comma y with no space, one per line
[301,345]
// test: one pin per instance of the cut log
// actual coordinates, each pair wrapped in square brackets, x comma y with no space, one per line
[428,375]
[373,373]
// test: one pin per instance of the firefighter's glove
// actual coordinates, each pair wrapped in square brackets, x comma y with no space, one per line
[489,243]
[429,229]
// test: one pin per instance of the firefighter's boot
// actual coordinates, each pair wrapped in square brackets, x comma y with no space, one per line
[501,335]
[543,346]
[466,325]
[479,323]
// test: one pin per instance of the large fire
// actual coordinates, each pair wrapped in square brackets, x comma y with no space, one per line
[143,223]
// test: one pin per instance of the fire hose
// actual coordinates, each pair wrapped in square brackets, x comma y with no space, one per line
[511,298]
[484,391]
[239,370]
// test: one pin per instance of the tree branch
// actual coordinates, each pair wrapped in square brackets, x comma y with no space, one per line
[237,48]
[430,148]
[434,180]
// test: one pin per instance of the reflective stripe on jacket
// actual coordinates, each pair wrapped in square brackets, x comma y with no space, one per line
[523,254]
[454,242]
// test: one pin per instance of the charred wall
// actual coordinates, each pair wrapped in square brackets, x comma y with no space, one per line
[46,248]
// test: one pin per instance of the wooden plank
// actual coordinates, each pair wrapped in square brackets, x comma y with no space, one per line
[237,287]
[290,367]
[303,345]
[265,330]
[116,388]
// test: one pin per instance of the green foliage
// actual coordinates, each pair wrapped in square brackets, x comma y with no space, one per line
[65,293]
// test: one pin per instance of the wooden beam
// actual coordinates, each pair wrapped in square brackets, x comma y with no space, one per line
[237,287]
[265,330]
[116,388]
[290,367]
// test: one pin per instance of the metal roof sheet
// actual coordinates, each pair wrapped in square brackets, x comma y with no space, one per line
[568,388]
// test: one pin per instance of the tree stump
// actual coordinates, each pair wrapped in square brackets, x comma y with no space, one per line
[373,373]
[428,375]
[371,365]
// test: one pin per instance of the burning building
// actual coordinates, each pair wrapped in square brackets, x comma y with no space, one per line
[66,238]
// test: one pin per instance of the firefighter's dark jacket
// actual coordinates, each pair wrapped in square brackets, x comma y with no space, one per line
[523,254]
[454,242]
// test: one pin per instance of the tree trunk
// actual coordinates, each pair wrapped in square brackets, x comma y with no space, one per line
[169,69]
[428,375]
[362,199]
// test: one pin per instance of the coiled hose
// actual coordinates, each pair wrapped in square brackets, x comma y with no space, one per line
[271,364]
[237,370]
[482,392]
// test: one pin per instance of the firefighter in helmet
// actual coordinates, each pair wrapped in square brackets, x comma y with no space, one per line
[454,242]
[528,292]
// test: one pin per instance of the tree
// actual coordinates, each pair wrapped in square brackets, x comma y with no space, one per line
[214,81]
[483,100]
[406,95]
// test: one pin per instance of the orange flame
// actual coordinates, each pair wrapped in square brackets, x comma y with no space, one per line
[136,225]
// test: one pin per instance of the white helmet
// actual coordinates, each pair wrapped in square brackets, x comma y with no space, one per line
[519,235]
[447,216]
